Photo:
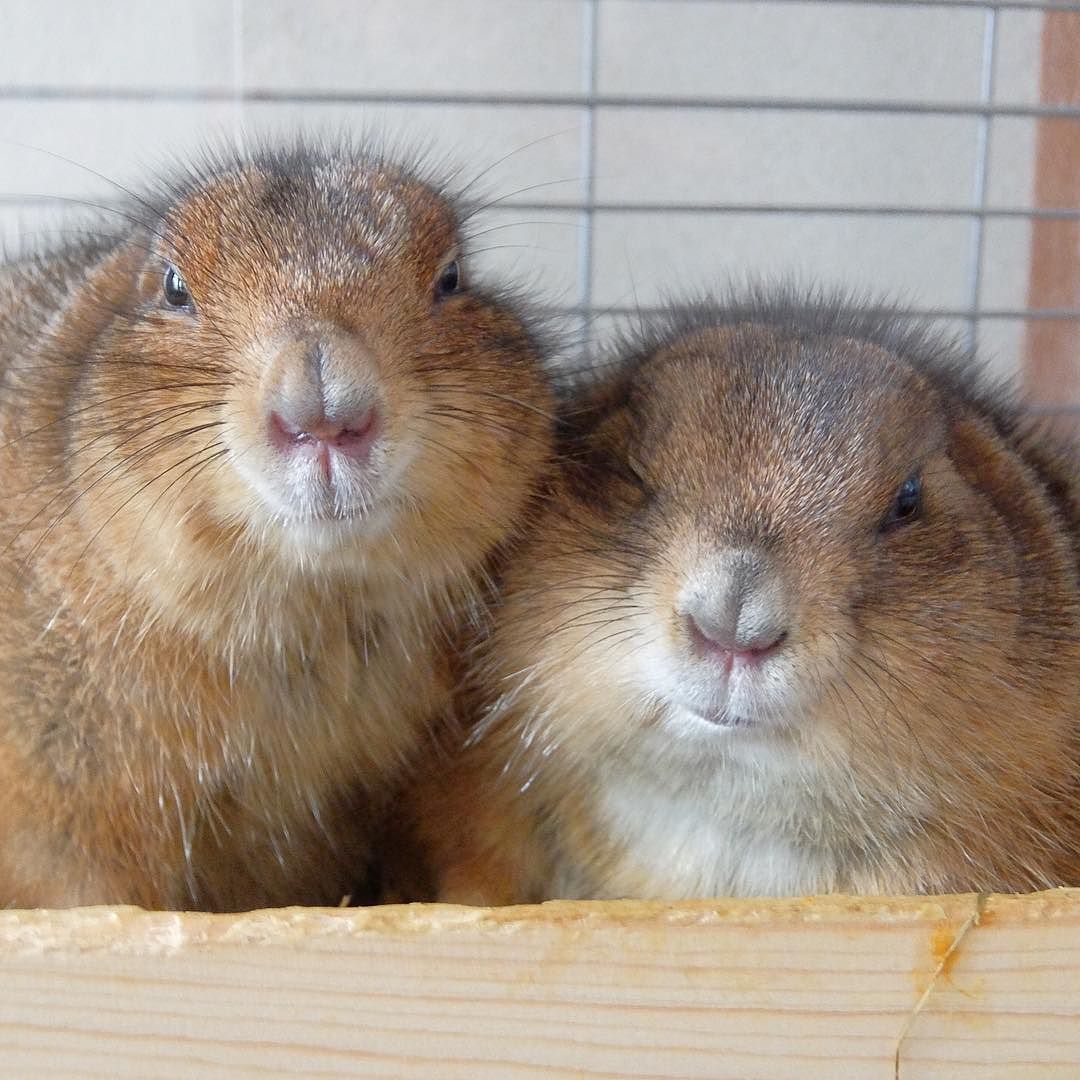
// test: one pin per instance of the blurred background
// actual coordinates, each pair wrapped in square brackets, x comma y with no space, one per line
[637,148]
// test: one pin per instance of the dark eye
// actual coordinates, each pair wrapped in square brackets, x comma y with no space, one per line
[176,291]
[907,505]
[449,281]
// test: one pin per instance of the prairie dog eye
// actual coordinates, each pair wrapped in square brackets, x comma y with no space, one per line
[906,506]
[175,289]
[449,280]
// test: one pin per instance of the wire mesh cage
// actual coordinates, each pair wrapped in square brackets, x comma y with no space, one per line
[926,151]
[923,150]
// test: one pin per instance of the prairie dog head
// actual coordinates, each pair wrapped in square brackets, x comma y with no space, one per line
[794,536]
[305,367]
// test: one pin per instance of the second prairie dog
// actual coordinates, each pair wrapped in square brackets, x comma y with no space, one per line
[257,450]
[803,616]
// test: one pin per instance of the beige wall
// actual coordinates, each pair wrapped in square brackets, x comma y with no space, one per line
[120,85]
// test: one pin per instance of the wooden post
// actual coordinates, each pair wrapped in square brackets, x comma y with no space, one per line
[1053,346]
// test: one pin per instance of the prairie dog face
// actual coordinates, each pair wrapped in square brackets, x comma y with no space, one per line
[306,329]
[771,540]
[787,485]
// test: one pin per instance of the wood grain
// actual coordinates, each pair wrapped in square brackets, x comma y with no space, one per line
[809,988]
[1052,372]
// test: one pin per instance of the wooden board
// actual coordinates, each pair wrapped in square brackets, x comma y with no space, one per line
[810,988]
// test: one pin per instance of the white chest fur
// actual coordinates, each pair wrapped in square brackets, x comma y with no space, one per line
[739,825]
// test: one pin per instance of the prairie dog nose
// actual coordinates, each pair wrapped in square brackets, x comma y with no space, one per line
[736,607]
[323,395]
[347,434]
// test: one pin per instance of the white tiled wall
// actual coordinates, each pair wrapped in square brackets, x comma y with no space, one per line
[69,45]
[401,47]
[680,177]
[825,51]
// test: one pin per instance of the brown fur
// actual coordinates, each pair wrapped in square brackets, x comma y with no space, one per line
[203,701]
[934,746]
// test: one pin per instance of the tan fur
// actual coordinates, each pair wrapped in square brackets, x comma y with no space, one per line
[937,666]
[203,702]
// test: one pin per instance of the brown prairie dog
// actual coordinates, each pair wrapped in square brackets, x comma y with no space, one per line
[803,616]
[256,454]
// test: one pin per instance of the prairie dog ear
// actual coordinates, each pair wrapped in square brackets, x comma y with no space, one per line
[594,391]
[596,438]
[112,285]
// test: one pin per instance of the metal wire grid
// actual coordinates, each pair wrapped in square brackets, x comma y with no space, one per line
[978,212]
[590,101]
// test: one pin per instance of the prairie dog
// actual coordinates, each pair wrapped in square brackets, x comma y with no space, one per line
[802,616]
[257,450]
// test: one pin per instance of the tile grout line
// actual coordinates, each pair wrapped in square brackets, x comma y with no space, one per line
[982,166]
[238,73]
[750,209]
[469,99]
[916,312]
[996,5]
[590,29]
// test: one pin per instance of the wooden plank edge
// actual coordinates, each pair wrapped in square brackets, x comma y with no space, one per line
[136,931]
